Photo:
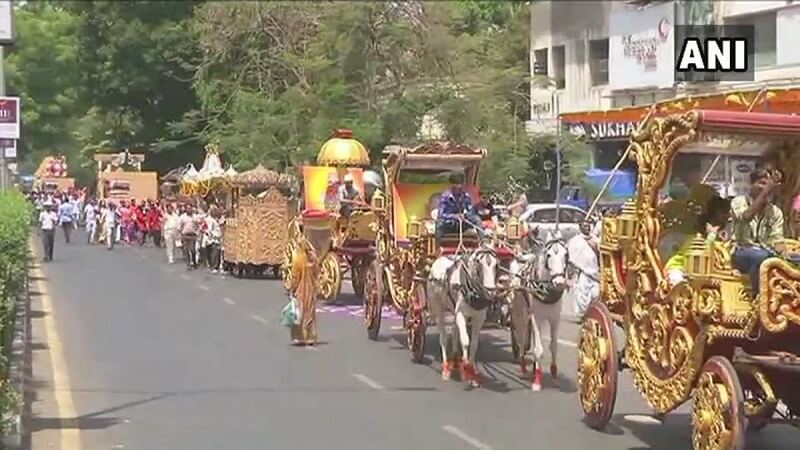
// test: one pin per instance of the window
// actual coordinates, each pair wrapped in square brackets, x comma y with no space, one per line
[544,216]
[566,215]
[559,67]
[598,61]
[765,36]
[540,62]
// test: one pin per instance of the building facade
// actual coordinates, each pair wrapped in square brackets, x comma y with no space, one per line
[603,55]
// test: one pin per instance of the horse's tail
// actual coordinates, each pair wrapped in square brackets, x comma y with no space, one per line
[538,348]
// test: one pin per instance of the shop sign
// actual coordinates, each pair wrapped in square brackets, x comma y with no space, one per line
[9,117]
[642,47]
[602,130]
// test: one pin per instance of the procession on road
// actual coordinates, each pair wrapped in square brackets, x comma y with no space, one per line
[399,225]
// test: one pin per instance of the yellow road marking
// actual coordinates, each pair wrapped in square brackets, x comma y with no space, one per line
[69,432]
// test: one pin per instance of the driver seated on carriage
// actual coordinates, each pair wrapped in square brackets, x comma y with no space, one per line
[349,197]
[456,213]
[758,226]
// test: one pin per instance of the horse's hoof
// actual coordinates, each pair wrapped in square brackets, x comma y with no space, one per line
[536,386]
[447,371]
[469,374]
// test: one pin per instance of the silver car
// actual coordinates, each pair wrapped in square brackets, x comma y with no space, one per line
[543,217]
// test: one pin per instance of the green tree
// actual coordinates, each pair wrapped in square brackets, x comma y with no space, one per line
[135,65]
[276,77]
[541,168]
[43,70]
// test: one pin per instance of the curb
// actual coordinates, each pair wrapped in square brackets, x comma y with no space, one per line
[19,367]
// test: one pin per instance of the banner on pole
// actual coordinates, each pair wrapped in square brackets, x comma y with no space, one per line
[9,117]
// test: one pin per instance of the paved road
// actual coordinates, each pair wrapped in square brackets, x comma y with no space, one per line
[132,353]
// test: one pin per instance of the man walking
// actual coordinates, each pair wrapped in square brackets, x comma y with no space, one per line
[66,217]
[90,217]
[47,224]
[171,232]
[188,228]
[110,221]
[153,219]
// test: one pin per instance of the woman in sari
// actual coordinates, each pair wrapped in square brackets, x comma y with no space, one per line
[303,290]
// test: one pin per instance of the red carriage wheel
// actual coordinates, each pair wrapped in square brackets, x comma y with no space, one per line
[597,366]
[373,298]
[718,421]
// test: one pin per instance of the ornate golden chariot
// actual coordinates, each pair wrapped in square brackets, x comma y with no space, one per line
[352,238]
[738,357]
[256,231]
[406,244]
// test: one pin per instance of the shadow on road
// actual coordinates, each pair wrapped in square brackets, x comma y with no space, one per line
[676,430]
[89,421]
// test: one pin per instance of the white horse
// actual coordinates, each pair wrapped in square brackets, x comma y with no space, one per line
[462,285]
[539,278]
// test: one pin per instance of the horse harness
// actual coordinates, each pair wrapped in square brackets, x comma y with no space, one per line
[472,290]
[543,290]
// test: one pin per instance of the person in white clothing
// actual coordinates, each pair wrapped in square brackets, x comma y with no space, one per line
[90,221]
[171,232]
[212,239]
[110,222]
[47,224]
[585,285]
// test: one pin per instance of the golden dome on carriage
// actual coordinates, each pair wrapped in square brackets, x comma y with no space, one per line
[343,150]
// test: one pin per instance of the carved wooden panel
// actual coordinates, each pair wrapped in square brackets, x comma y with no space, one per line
[260,232]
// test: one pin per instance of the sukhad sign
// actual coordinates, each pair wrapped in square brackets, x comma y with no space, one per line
[602,130]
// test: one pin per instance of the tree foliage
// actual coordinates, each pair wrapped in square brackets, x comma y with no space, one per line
[42,68]
[268,81]
[134,59]
[276,77]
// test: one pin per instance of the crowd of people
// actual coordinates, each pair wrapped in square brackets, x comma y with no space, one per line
[195,230]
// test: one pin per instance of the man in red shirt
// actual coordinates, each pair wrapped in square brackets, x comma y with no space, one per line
[140,219]
[153,221]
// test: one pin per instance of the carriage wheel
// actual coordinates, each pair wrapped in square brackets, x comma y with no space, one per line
[330,282]
[597,367]
[417,325]
[358,270]
[717,411]
[373,299]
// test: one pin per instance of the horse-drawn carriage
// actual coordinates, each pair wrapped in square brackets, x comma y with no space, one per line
[707,336]
[256,232]
[340,159]
[406,237]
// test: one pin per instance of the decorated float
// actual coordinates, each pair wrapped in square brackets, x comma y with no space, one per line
[352,240]
[256,231]
[52,175]
[120,177]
